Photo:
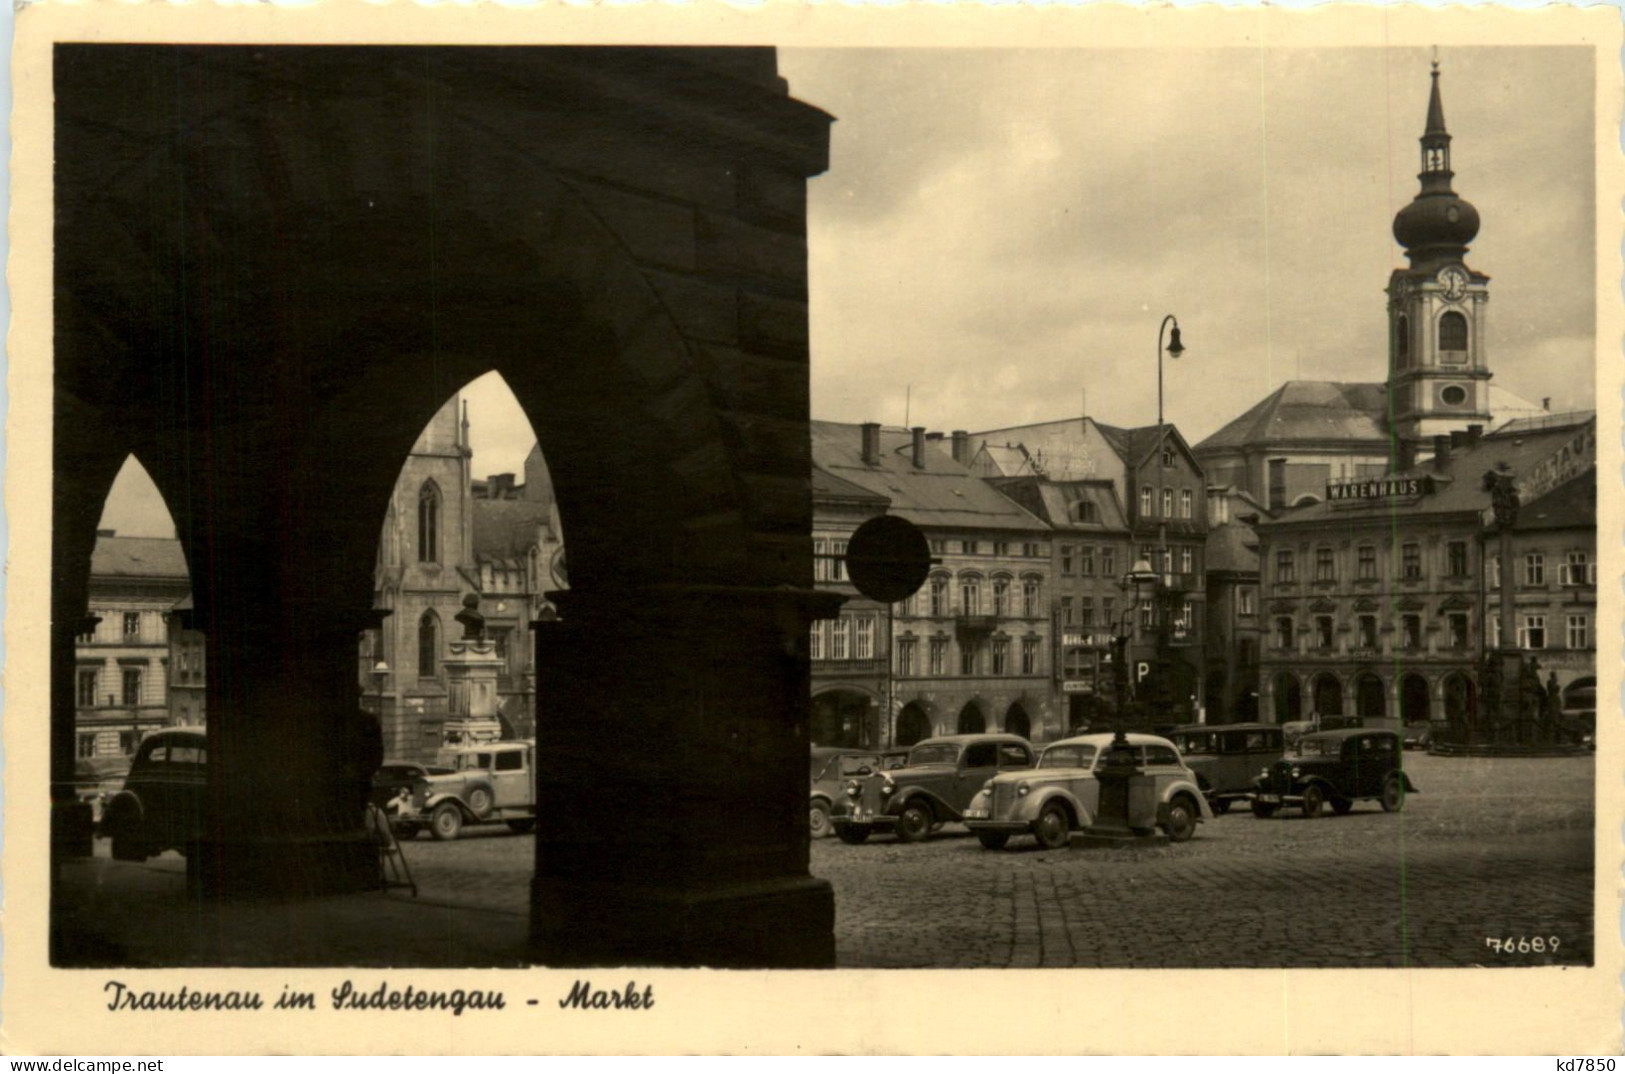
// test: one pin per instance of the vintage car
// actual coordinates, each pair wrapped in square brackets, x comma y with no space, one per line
[1337,768]
[936,782]
[161,805]
[393,777]
[831,767]
[493,783]
[1226,757]
[1062,794]
[96,779]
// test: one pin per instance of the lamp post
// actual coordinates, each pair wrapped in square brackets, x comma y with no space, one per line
[1163,556]
[1140,580]
[380,672]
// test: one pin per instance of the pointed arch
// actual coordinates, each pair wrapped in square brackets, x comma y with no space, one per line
[429,501]
[428,645]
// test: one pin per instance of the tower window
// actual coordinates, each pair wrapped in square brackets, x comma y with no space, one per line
[1402,342]
[428,523]
[1452,332]
[428,651]
[1453,395]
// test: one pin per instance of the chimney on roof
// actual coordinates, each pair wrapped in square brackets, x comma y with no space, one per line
[1458,438]
[1407,456]
[1473,434]
[961,440]
[1441,452]
[871,443]
[1546,403]
[919,446]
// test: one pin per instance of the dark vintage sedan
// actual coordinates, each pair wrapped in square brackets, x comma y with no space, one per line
[1226,757]
[161,805]
[1336,768]
[935,784]
[831,767]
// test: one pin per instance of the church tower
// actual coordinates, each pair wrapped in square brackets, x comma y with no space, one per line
[1438,375]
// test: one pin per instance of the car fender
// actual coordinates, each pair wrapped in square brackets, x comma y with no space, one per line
[1410,788]
[123,810]
[1188,787]
[1032,804]
[819,796]
[939,806]
[435,800]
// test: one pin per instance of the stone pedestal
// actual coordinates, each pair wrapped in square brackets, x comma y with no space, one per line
[672,811]
[472,667]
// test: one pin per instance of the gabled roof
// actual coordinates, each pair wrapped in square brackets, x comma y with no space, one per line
[506,529]
[138,557]
[826,486]
[941,493]
[1232,546]
[1308,410]
[1135,445]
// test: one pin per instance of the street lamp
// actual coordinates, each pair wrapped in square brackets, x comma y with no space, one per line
[380,672]
[1164,560]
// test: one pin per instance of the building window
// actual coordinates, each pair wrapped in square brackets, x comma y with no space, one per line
[1452,332]
[939,597]
[1576,569]
[1167,503]
[1086,561]
[939,547]
[86,746]
[1325,565]
[132,686]
[1368,631]
[1532,632]
[128,741]
[1410,560]
[1455,559]
[428,523]
[1495,631]
[1411,626]
[1066,559]
[1185,503]
[1246,600]
[1029,598]
[939,656]
[1029,656]
[863,639]
[1031,550]
[1534,568]
[1145,615]
[1366,559]
[1145,502]
[839,630]
[1402,342]
[1285,570]
[1457,624]
[1185,561]
[970,596]
[837,561]
[967,658]
[87,687]
[1066,611]
[1108,563]
[1108,611]
[1001,656]
[1001,548]
[1167,458]
[1495,572]
[820,560]
[905,657]
[428,649]
[1001,597]
[815,642]
[1578,636]
[1323,631]
[132,626]
[973,547]
[1283,632]
[1086,612]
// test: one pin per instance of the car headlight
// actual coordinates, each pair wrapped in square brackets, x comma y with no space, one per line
[887,788]
[1023,788]
[852,789]
[1263,773]
[1296,771]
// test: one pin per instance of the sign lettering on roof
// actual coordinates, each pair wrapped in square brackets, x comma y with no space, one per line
[1380,488]
[1577,455]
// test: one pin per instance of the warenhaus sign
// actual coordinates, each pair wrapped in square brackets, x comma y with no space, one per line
[1380,488]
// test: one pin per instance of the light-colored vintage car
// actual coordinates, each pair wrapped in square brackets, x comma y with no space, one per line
[492,783]
[1062,795]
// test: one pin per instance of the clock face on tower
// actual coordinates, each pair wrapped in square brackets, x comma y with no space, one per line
[1454,281]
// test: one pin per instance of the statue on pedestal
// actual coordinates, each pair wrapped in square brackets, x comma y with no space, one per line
[473,622]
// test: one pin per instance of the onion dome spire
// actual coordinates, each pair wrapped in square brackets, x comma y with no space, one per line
[1437,225]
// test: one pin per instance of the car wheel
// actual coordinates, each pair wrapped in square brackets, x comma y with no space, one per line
[1342,805]
[1182,815]
[1220,807]
[853,834]
[523,826]
[479,802]
[1393,794]
[993,840]
[446,822]
[1264,810]
[914,822]
[818,822]
[1053,827]
[126,848]
[1313,799]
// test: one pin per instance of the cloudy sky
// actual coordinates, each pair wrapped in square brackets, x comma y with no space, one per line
[1004,230]
[1000,233]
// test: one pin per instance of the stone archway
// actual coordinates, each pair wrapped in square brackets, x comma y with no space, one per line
[1288,696]
[1328,694]
[444,242]
[1016,721]
[1415,701]
[1460,701]
[971,720]
[913,725]
[1370,696]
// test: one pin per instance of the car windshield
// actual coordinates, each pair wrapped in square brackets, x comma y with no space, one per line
[1316,747]
[1189,744]
[936,753]
[859,764]
[1067,757]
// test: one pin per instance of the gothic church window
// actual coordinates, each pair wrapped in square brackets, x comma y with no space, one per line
[428,523]
[428,627]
